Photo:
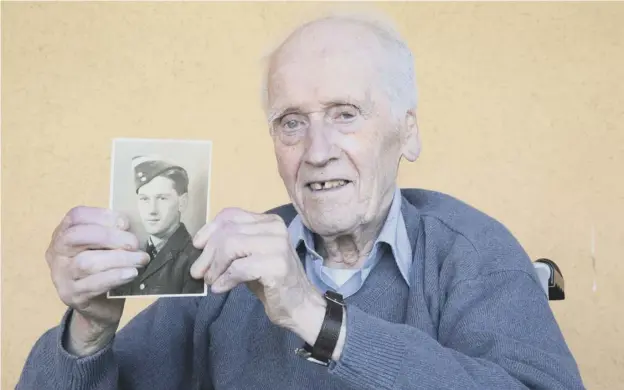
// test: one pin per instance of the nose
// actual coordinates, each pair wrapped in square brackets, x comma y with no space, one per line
[153,207]
[320,145]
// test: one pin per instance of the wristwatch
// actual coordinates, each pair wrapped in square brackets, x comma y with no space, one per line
[327,339]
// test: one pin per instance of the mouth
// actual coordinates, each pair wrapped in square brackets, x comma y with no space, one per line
[153,220]
[329,185]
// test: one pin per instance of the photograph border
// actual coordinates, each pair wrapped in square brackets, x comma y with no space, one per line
[110,202]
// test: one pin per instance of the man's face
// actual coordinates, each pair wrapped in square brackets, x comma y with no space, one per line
[336,142]
[159,205]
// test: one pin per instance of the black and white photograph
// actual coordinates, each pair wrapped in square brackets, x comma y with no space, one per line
[162,185]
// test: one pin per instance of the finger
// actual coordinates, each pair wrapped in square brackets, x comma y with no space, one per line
[98,284]
[247,228]
[240,271]
[85,215]
[80,237]
[62,226]
[246,224]
[91,262]
[224,218]
[202,263]
[239,246]
[263,227]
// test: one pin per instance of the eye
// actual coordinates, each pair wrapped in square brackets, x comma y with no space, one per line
[344,113]
[292,122]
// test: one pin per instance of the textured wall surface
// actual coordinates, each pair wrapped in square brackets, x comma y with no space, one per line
[521,115]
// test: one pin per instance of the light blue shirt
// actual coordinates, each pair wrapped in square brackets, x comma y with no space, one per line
[393,233]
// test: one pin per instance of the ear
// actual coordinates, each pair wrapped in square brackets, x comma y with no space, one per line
[411,140]
[183,202]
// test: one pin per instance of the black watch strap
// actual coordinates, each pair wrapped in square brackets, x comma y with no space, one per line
[327,339]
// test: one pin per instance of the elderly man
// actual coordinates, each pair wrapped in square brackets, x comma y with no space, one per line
[162,196]
[356,285]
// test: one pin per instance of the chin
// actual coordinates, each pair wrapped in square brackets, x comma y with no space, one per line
[150,230]
[332,224]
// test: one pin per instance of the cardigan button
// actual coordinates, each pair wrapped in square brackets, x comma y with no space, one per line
[142,286]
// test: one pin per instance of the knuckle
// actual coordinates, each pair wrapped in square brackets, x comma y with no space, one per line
[228,212]
[55,280]
[82,265]
[65,294]
[64,237]
[235,268]
[277,225]
[59,245]
[130,239]
[75,212]
[79,300]
[229,228]
[134,240]
[232,247]
[108,235]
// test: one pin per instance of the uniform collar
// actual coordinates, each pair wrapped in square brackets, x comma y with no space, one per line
[159,243]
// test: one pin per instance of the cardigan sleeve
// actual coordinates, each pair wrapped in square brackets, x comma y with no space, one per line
[154,350]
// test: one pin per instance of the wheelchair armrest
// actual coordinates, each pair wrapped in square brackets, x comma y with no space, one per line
[551,278]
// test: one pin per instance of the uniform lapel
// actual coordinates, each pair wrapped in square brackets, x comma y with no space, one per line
[169,252]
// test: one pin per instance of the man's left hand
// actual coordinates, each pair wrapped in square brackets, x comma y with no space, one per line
[244,247]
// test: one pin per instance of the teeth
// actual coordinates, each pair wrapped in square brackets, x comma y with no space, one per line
[334,183]
[327,185]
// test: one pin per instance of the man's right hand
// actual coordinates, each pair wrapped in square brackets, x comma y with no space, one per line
[91,252]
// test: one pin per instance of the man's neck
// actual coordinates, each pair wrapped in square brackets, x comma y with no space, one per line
[161,239]
[351,250]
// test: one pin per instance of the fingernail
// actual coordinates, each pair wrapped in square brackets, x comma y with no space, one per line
[195,271]
[143,258]
[129,273]
[121,224]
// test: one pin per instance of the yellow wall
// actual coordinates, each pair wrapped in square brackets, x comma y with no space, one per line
[521,115]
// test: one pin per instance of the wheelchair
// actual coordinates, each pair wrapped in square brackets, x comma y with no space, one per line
[551,278]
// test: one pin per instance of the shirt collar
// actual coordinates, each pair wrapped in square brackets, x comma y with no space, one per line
[159,243]
[393,233]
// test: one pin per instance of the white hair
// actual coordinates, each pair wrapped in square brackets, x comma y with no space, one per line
[396,67]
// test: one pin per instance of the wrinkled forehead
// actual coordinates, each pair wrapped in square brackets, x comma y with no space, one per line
[314,80]
[318,66]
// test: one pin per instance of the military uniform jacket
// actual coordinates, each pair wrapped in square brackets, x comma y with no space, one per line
[169,271]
